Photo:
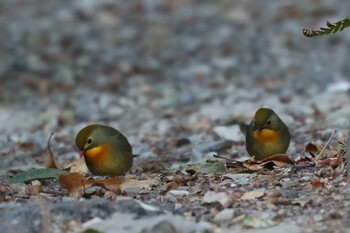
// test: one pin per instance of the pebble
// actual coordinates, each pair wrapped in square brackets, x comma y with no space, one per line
[225,214]
[211,197]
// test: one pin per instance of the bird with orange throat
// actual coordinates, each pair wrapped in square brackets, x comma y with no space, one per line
[267,135]
[106,151]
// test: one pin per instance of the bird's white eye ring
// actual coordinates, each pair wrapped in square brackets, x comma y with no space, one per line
[268,122]
[89,140]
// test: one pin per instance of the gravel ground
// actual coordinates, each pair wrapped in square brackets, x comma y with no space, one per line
[168,72]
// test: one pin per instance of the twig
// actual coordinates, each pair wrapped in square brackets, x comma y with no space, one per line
[49,143]
[325,146]
[222,157]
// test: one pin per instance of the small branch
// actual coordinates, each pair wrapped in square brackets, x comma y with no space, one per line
[222,157]
[325,146]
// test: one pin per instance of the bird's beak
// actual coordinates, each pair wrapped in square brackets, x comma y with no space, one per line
[82,154]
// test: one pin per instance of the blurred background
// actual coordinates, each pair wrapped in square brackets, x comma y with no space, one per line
[164,70]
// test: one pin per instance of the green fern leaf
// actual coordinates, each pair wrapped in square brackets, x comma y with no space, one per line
[330,29]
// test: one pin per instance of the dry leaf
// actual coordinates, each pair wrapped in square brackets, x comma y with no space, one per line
[331,162]
[51,162]
[319,183]
[207,168]
[315,150]
[73,182]
[252,195]
[326,157]
[304,160]
[76,183]
[312,149]
[78,165]
[128,183]
[279,160]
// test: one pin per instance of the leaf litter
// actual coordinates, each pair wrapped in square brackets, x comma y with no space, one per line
[70,80]
[192,184]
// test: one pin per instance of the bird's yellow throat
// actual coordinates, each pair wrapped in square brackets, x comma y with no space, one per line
[98,153]
[265,135]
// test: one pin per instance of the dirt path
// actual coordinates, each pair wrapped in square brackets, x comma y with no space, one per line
[167,74]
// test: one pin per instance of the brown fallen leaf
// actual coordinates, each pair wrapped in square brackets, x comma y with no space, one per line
[323,156]
[51,162]
[76,183]
[75,166]
[279,160]
[73,182]
[128,183]
[251,165]
[78,165]
[315,150]
[320,182]
[331,161]
[304,160]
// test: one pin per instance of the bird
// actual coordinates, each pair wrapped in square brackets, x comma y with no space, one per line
[106,151]
[266,135]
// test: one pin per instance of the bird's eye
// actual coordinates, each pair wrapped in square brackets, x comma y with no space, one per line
[268,122]
[89,141]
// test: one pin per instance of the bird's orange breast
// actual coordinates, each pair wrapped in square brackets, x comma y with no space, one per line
[98,154]
[265,135]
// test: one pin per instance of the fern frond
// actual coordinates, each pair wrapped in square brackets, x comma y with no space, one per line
[330,29]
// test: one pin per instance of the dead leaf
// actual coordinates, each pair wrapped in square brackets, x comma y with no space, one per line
[78,165]
[128,183]
[236,167]
[279,160]
[326,157]
[51,162]
[315,151]
[319,182]
[207,168]
[76,183]
[252,195]
[304,160]
[331,162]
[251,165]
[73,182]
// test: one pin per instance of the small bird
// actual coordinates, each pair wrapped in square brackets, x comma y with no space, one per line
[266,135]
[106,151]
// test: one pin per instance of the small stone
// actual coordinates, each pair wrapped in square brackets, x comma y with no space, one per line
[211,197]
[225,214]
[161,227]
[179,192]
[241,179]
